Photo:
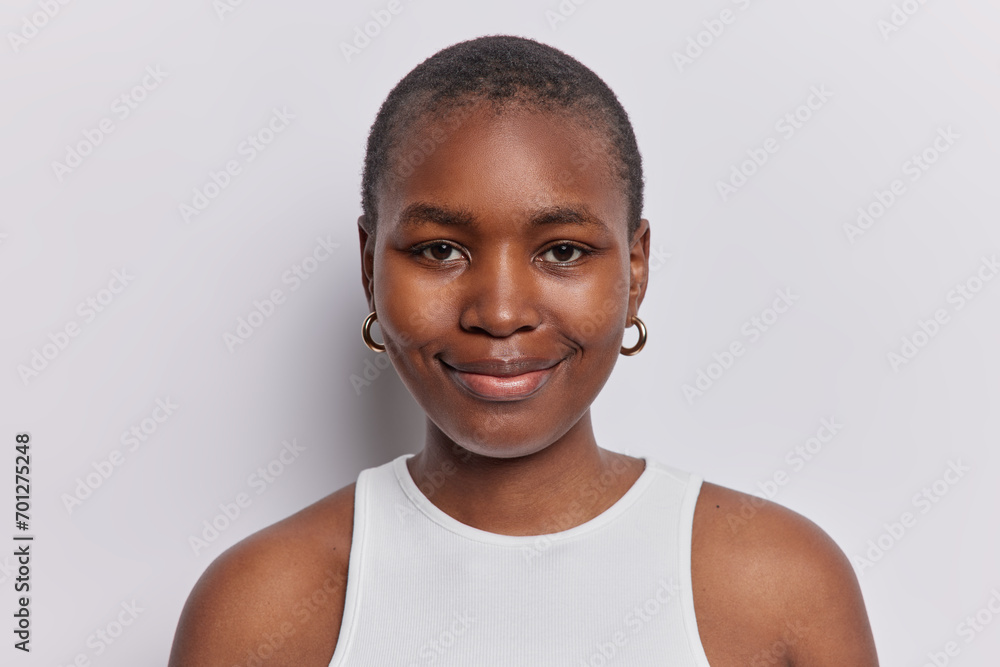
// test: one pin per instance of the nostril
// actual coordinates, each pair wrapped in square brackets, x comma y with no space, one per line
[499,319]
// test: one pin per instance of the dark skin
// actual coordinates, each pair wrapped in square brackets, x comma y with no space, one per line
[502,254]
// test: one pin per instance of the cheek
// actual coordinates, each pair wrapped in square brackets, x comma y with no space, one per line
[594,314]
[412,309]
[600,325]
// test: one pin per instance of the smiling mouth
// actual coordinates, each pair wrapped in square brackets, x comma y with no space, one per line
[498,380]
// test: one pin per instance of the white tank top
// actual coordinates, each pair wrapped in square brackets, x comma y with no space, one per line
[425,589]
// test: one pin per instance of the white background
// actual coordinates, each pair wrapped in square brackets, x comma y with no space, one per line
[162,336]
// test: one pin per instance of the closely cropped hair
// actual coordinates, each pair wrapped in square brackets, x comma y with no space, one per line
[503,70]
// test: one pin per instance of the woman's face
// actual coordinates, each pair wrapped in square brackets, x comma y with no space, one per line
[503,276]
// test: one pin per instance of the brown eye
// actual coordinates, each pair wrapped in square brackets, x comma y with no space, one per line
[441,252]
[562,253]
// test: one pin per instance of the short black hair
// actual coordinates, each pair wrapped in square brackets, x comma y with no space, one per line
[502,70]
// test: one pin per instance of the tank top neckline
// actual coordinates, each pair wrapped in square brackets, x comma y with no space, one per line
[448,522]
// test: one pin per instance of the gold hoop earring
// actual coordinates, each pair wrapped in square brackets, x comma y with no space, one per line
[366,333]
[634,350]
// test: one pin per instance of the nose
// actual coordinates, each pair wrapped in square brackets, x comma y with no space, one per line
[500,295]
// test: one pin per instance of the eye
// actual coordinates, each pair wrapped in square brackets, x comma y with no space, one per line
[440,252]
[563,253]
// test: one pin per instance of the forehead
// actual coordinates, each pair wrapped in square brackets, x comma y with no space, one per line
[503,164]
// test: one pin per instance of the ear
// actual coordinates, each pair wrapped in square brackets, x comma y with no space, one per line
[639,266]
[367,243]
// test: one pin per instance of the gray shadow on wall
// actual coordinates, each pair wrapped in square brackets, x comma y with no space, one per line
[391,422]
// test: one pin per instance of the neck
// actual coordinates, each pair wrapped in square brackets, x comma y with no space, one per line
[563,485]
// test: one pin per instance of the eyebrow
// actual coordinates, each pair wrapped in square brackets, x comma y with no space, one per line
[421,213]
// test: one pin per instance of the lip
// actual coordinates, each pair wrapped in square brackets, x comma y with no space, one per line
[502,379]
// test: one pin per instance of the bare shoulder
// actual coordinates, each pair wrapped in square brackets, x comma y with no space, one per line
[276,597]
[772,588]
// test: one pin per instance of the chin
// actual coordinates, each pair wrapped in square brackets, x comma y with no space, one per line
[501,450]
[502,438]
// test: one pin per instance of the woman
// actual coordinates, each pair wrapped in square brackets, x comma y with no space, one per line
[503,258]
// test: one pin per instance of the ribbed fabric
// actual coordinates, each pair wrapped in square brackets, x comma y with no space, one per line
[426,589]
